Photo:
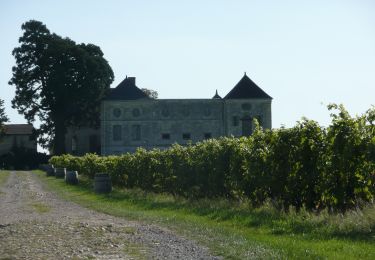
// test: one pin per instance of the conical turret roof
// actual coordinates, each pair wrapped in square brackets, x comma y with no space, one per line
[246,88]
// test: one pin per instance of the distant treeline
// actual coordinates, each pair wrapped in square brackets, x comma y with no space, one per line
[304,166]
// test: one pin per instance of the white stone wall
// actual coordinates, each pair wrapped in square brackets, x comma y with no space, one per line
[196,117]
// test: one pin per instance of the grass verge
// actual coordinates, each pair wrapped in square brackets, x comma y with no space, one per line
[3,177]
[233,229]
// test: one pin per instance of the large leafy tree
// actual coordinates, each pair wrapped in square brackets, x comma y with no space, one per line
[59,82]
[3,118]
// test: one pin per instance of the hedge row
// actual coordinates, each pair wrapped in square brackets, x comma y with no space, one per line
[306,165]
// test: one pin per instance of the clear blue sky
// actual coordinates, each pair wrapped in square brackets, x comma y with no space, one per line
[305,54]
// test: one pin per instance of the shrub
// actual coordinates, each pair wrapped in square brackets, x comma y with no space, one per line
[306,166]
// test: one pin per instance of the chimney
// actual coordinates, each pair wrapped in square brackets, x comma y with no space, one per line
[131,81]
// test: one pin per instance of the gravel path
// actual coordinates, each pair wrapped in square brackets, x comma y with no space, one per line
[36,224]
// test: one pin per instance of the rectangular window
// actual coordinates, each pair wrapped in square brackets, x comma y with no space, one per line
[136,132]
[186,136]
[236,121]
[207,135]
[165,136]
[117,133]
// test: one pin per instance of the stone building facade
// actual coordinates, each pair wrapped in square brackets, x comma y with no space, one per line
[82,140]
[130,119]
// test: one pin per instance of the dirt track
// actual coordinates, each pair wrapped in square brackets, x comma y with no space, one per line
[36,224]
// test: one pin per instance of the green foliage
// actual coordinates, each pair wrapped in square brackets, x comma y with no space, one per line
[58,81]
[350,172]
[21,158]
[306,166]
[3,118]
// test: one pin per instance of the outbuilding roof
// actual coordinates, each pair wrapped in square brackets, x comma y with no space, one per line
[126,90]
[246,88]
[18,129]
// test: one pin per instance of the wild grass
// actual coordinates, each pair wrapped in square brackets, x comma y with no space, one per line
[235,230]
[3,177]
[40,207]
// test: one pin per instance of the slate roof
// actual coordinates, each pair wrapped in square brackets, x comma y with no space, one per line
[18,129]
[126,90]
[246,88]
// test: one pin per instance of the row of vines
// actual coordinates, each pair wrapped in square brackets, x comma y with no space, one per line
[306,165]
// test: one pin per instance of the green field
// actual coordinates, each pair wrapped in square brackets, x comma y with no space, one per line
[233,229]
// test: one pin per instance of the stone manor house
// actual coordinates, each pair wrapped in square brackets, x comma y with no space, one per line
[130,119]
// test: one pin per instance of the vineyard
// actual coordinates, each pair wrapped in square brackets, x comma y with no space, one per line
[304,166]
